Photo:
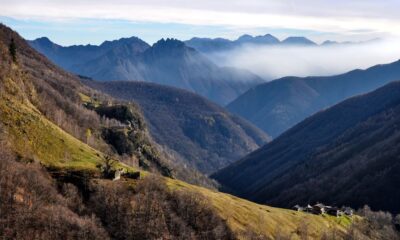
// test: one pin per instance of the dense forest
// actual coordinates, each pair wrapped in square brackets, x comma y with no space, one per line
[201,133]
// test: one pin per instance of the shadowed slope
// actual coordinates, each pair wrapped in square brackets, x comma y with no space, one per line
[347,154]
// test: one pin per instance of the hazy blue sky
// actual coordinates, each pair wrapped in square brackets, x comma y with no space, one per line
[82,22]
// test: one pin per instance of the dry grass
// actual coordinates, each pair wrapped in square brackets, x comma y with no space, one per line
[243,215]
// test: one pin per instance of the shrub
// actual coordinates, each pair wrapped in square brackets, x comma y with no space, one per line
[31,208]
[151,211]
[373,225]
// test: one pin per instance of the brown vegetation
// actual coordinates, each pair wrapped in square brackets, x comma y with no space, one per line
[149,210]
[31,208]
[373,225]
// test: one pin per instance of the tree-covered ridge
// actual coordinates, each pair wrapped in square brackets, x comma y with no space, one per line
[202,134]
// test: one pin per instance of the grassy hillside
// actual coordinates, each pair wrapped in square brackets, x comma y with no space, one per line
[243,216]
[33,136]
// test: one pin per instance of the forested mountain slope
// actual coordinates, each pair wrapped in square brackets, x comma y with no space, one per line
[347,154]
[203,134]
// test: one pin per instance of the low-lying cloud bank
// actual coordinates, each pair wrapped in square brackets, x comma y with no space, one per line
[274,62]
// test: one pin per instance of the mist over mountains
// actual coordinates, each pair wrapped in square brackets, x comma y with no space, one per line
[272,61]
[218,69]
[200,120]
[278,105]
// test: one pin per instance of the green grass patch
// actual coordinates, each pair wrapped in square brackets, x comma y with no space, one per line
[344,220]
[36,138]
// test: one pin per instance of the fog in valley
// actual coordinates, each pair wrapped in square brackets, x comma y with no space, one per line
[271,62]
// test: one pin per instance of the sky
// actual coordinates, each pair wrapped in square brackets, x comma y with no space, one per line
[91,22]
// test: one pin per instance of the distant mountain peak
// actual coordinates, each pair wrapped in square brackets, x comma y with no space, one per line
[269,38]
[169,46]
[261,39]
[295,40]
[268,35]
[44,41]
[200,39]
[129,40]
[245,37]
[169,42]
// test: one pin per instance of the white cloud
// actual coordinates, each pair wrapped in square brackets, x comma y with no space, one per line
[275,62]
[344,17]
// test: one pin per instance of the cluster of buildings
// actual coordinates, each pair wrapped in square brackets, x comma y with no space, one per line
[320,208]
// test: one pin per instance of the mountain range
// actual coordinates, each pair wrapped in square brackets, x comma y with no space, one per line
[204,135]
[169,62]
[215,45]
[209,45]
[76,163]
[69,57]
[346,154]
[280,104]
